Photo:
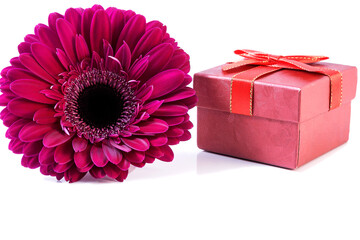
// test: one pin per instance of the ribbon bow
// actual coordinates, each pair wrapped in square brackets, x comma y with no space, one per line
[242,83]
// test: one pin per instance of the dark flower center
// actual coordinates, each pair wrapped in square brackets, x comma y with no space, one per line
[99,104]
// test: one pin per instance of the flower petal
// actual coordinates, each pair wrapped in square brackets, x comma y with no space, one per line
[190,102]
[179,95]
[110,10]
[124,56]
[82,49]
[117,22]
[74,17]
[97,7]
[174,132]
[15,62]
[9,119]
[153,126]
[53,94]
[186,125]
[24,108]
[53,17]
[178,60]
[172,121]
[86,24]
[156,24]
[97,172]
[14,129]
[31,38]
[145,94]
[121,147]
[55,138]
[16,146]
[168,154]
[123,175]
[112,154]
[113,64]
[79,144]
[17,73]
[97,156]
[159,57]
[30,89]
[87,168]
[186,136]
[46,156]
[133,128]
[155,152]
[138,68]
[64,153]
[150,39]
[49,37]
[32,132]
[3,113]
[30,162]
[186,67]
[132,31]
[108,52]
[152,106]
[158,140]
[100,30]
[165,82]
[186,117]
[45,116]
[171,110]
[5,99]
[67,33]
[24,47]
[128,14]
[112,170]
[124,164]
[47,58]
[61,168]
[149,159]
[83,159]
[139,144]
[73,175]
[32,148]
[64,59]
[47,170]
[173,141]
[30,63]
[135,156]
[5,85]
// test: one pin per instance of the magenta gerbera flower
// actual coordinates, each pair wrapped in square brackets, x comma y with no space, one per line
[96,91]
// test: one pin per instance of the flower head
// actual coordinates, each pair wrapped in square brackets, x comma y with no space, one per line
[96,91]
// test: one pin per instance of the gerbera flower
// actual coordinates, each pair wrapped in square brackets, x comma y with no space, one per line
[96,91]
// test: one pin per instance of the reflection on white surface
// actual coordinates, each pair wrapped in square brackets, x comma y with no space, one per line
[320,160]
[183,163]
[208,162]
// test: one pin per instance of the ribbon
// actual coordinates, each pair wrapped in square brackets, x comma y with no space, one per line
[256,64]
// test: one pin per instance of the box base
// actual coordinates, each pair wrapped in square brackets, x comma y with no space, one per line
[280,143]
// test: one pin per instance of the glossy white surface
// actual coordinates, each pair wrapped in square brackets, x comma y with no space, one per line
[199,195]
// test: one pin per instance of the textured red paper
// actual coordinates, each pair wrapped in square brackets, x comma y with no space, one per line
[291,123]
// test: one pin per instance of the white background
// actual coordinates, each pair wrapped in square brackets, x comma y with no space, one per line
[199,195]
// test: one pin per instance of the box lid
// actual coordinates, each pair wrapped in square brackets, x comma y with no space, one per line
[287,95]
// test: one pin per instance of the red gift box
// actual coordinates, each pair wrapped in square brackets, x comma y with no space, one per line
[283,111]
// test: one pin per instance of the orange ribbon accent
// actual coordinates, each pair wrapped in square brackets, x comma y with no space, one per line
[242,83]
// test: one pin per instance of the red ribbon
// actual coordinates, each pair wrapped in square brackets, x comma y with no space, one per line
[242,83]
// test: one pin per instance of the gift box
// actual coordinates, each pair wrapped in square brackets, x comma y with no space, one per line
[282,111]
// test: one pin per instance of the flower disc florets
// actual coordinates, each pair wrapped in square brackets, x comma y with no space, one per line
[99,104]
